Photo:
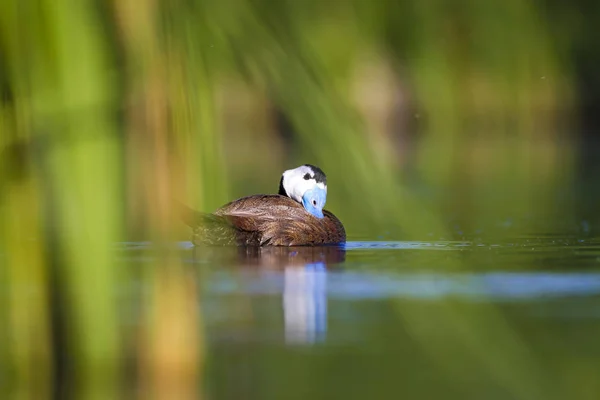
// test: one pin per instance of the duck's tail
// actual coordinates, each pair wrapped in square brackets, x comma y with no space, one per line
[189,216]
[207,228]
[194,218]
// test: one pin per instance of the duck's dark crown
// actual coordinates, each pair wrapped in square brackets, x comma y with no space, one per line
[320,176]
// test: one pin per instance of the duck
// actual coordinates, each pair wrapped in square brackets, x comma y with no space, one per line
[295,216]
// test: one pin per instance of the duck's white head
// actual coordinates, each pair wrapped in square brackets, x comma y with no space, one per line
[307,185]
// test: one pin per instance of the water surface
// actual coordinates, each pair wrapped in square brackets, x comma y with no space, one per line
[513,319]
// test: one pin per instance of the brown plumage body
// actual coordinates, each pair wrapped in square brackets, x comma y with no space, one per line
[265,220]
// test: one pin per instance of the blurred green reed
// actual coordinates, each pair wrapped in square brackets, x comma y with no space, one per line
[60,197]
[112,110]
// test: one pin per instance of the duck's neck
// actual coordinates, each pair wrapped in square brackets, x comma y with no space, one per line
[281,188]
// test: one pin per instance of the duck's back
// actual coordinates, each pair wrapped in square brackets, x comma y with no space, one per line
[274,220]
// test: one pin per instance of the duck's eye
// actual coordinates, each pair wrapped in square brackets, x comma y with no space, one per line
[306,176]
[314,202]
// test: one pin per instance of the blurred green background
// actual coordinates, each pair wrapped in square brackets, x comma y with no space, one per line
[434,120]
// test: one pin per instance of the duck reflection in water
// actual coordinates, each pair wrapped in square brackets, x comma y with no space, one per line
[280,258]
[304,274]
